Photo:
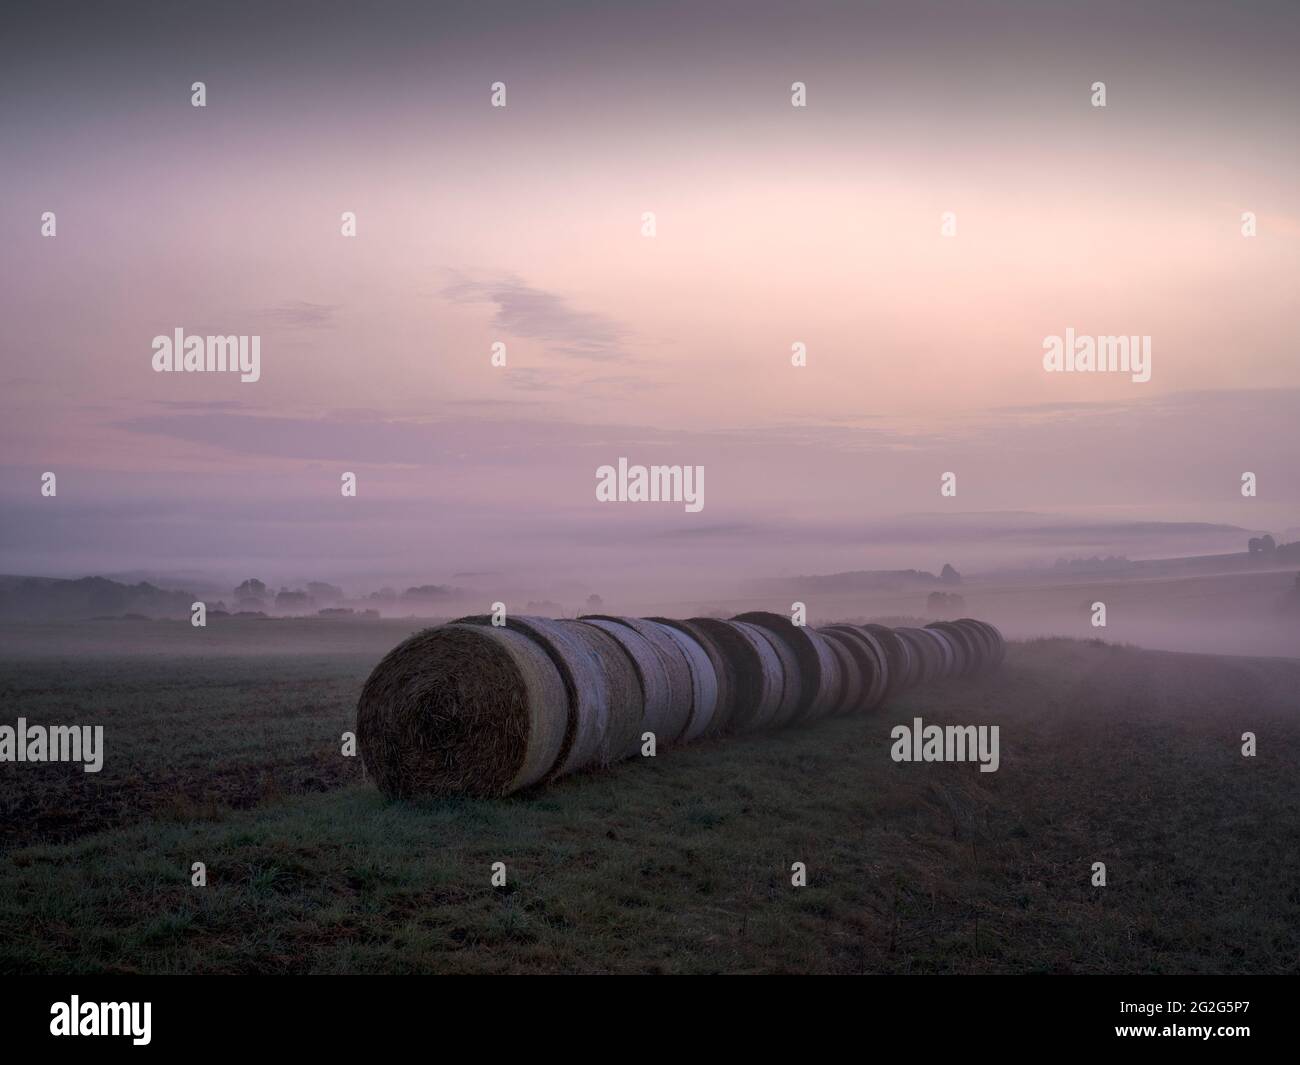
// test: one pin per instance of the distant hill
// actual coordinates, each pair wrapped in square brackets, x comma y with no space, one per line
[54,599]
[862,580]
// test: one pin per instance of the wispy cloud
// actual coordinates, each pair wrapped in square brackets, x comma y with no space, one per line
[199,405]
[532,379]
[525,311]
[300,314]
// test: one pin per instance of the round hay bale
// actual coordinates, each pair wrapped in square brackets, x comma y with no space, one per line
[939,651]
[853,687]
[590,697]
[704,680]
[755,671]
[985,640]
[723,673]
[966,644]
[950,655]
[903,669]
[873,663]
[619,686]
[999,642]
[963,646]
[818,669]
[659,713]
[916,663]
[605,695]
[979,643]
[877,694]
[791,680]
[676,669]
[997,645]
[832,688]
[925,652]
[462,710]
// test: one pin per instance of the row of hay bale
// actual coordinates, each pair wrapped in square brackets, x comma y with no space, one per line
[473,708]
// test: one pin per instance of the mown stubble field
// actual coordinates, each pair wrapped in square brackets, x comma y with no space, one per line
[677,864]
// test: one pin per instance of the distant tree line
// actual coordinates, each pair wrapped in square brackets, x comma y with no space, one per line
[1266,548]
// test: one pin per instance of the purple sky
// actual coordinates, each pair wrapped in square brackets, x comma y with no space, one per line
[522,225]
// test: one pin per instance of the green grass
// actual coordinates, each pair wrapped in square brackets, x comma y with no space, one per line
[181,737]
[682,864]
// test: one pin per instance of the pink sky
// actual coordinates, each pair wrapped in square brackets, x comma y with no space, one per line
[522,225]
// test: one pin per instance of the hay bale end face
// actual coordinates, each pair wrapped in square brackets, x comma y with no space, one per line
[461,710]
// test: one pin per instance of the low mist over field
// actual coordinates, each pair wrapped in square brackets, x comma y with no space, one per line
[1225,590]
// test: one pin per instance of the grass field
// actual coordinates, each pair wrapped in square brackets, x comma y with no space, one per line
[677,864]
